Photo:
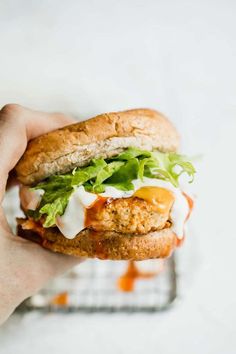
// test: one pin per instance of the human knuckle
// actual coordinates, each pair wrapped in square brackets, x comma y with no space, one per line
[11,110]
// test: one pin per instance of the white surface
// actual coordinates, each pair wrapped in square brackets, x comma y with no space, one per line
[87,57]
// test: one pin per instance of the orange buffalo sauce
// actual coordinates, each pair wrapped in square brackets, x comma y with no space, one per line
[162,198]
[30,224]
[190,201]
[61,299]
[127,281]
[190,204]
[94,209]
[90,218]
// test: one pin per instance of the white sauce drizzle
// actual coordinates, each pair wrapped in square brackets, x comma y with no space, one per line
[72,221]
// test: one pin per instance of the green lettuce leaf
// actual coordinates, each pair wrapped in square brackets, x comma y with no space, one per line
[130,153]
[171,166]
[54,209]
[105,173]
[118,172]
[125,175]
[84,174]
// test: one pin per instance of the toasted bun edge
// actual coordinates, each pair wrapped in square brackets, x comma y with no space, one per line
[103,136]
[105,245]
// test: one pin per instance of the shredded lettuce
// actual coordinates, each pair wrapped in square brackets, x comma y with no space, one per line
[118,171]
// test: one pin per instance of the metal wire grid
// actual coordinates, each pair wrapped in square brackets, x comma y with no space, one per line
[92,286]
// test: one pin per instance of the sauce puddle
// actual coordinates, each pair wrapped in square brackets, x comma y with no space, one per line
[61,299]
[126,282]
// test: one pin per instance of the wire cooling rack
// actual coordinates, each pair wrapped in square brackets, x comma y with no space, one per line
[93,285]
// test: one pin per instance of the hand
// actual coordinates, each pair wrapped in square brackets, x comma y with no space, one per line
[25,267]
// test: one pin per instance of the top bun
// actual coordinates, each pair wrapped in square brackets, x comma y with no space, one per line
[103,136]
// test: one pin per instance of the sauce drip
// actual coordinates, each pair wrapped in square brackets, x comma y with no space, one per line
[90,218]
[162,198]
[94,209]
[179,242]
[126,282]
[61,299]
[190,201]
[190,204]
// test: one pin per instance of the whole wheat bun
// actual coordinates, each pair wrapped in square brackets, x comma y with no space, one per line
[105,245]
[103,136]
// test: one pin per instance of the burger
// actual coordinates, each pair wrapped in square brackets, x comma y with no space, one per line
[107,187]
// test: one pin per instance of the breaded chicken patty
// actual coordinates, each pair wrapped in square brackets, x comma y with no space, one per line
[126,215]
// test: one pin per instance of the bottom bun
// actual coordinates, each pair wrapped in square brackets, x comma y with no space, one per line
[104,245]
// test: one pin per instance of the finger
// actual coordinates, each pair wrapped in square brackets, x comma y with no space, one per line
[3,221]
[47,265]
[17,126]
[12,180]
[26,268]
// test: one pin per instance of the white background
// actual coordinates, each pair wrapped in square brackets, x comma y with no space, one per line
[87,57]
